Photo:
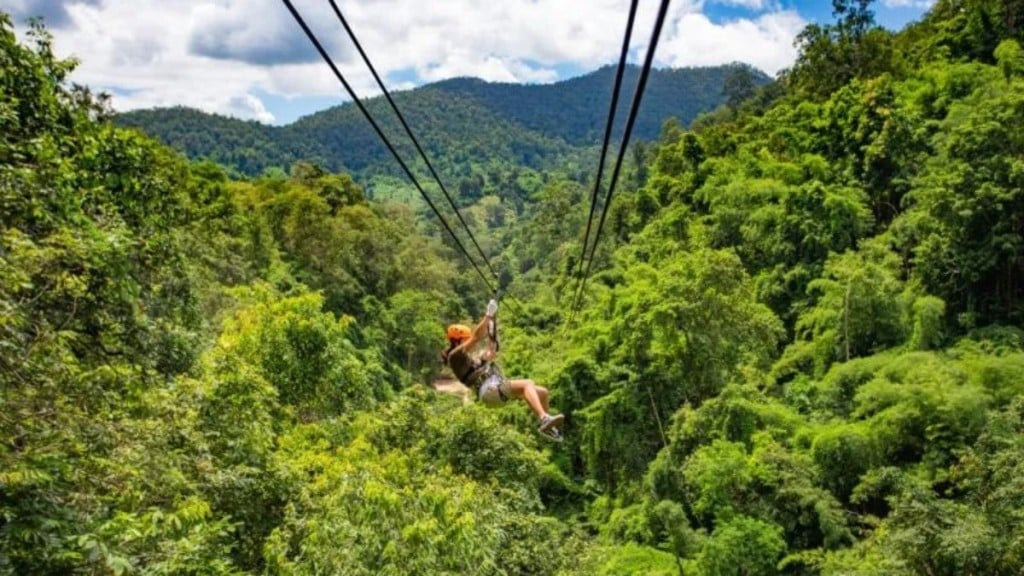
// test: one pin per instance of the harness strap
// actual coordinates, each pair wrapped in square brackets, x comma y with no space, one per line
[478,375]
[492,333]
[481,374]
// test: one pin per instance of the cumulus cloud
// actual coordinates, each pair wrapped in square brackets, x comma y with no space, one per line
[513,40]
[248,31]
[249,106]
[138,51]
[491,68]
[53,12]
[217,54]
[765,43]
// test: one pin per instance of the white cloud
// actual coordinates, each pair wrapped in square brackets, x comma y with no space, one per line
[216,55]
[765,43]
[247,31]
[54,12]
[250,106]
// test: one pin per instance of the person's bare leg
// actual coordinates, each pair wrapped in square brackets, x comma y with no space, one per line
[528,391]
[542,393]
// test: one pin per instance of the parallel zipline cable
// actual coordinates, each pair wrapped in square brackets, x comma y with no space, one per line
[323,53]
[607,138]
[408,130]
[416,143]
[633,112]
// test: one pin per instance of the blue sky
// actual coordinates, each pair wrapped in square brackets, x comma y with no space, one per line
[248,58]
[892,15]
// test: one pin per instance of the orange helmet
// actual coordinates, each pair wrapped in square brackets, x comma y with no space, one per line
[459,332]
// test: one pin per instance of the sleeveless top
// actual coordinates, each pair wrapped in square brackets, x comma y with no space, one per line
[466,369]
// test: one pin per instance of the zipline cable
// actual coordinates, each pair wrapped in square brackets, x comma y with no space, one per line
[633,112]
[323,53]
[607,136]
[408,130]
[419,148]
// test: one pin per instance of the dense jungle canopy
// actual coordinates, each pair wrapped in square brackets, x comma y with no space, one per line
[801,351]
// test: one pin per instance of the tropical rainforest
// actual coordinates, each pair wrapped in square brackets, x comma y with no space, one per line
[801,350]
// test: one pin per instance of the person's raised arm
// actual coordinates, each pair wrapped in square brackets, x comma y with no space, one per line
[481,330]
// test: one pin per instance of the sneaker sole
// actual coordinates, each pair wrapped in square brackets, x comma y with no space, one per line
[554,422]
[552,437]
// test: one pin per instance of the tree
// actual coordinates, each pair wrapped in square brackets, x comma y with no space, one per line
[833,54]
[967,205]
[742,546]
[305,353]
[1010,58]
[858,307]
[677,328]
[739,86]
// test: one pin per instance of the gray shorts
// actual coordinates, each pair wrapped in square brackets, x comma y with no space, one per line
[495,390]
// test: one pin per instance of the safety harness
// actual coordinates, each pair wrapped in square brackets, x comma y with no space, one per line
[473,373]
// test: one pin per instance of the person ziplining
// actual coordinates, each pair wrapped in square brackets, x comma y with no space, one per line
[473,368]
[472,354]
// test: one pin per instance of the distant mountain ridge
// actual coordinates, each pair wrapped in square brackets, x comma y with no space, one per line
[462,122]
[576,109]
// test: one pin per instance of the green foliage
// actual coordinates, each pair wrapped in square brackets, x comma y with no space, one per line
[722,480]
[555,219]
[825,447]
[928,326]
[1010,58]
[303,353]
[99,446]
[423,487]
[739,85]
[800,351]
[713,475]
[842,454]
[629,559]
[968,202]
[381,518]
[682,326]
[858,308]
[736,415]
[406,328]
[742,546]
[140,434]
[970,30]
[832,55]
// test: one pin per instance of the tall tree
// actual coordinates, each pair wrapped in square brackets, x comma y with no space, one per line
[833,54]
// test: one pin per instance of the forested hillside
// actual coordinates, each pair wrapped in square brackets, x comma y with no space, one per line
[469,126]
[801,351]
[575,110]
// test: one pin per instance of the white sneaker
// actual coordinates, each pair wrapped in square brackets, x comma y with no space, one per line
[549,426]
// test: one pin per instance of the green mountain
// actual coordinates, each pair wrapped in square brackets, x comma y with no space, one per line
[463,123]
[575,110]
